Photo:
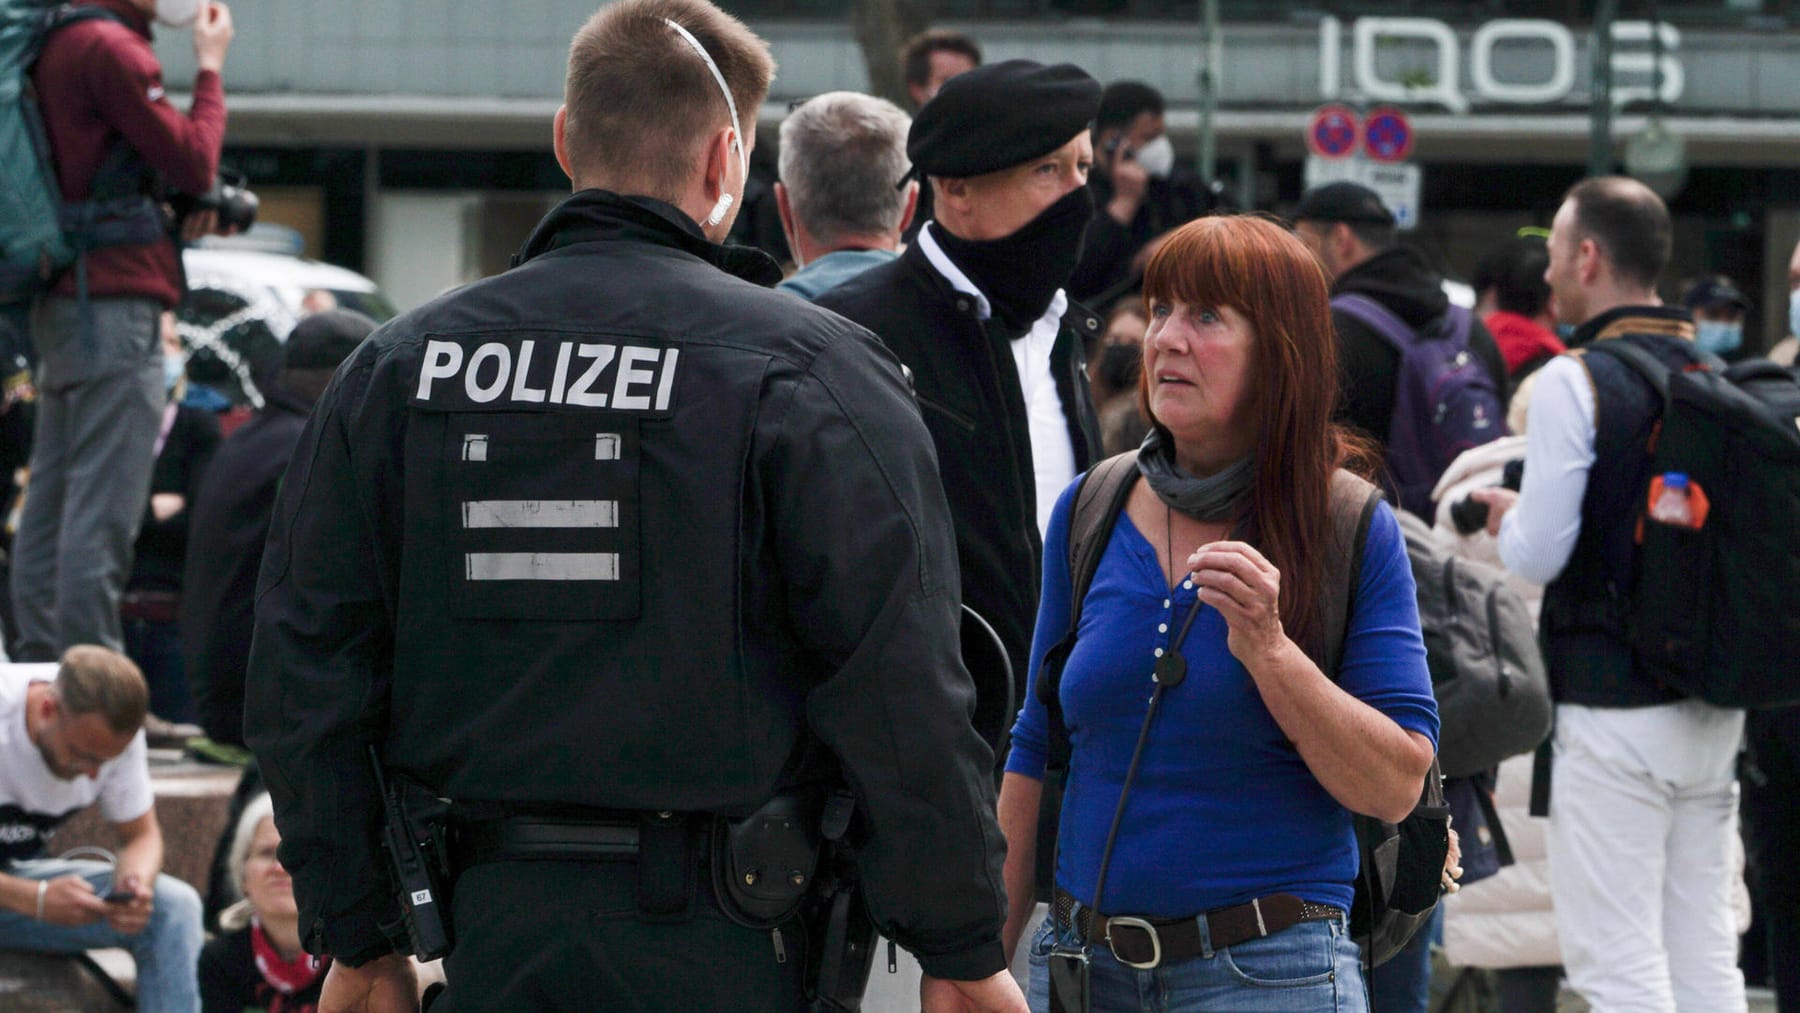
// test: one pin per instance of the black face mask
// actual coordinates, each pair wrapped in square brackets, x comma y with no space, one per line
[1020,273]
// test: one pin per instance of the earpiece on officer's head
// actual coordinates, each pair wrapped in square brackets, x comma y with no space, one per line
[719,210]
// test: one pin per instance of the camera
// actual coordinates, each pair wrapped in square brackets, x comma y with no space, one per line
[229,197]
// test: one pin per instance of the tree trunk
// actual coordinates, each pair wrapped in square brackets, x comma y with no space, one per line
[882,27]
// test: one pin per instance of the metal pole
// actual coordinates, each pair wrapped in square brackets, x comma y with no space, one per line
[1210,53]
[1600,146]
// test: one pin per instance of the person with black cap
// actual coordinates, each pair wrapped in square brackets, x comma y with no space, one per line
[976,310]
[1373,277]
[647,569]
[230,514]
[1719,310]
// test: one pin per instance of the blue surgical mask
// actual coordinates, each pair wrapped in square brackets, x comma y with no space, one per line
[172,369]
[1794,312]
[1717,336]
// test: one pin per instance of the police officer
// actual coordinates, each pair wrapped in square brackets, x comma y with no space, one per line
[605,548]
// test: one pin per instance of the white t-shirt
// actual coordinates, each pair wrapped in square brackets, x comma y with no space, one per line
[33,801]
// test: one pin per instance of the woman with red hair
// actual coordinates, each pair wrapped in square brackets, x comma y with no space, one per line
[1206,858]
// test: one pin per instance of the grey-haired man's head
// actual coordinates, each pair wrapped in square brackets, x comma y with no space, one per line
[842,154]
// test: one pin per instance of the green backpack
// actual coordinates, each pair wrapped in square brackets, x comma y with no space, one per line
[40,234]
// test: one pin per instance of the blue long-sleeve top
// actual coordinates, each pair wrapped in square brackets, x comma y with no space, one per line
[1223,809]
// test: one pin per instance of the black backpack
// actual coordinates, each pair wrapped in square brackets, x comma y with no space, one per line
[1401,864]
[1711,609]
[1487,671]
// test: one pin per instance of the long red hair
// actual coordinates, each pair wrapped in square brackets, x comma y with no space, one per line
[1258,268]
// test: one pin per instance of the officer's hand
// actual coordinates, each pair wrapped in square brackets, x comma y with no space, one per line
[384,985]
[70,901]
[213,33]
[998,994]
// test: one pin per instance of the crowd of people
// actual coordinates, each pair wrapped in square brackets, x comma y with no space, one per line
[1010,558]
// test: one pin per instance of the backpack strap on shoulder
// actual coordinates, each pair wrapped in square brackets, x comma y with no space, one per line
[1383,321]
[1353,502]
[1098,501]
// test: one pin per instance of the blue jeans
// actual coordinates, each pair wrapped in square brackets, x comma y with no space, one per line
[167,951]
[1312,967]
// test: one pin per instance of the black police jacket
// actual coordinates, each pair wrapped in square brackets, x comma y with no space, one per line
[622,528]
[968,387]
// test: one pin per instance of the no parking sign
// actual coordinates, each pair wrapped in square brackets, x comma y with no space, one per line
[1387,135]
[1334,131]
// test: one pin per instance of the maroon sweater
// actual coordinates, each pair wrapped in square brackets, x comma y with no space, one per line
[97,79]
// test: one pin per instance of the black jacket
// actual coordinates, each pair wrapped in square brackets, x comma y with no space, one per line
[1400,279]
[968,386]
[230,514]
[181,467]
[689,550]
[1104,273]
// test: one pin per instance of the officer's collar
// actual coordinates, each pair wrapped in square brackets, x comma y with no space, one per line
[1671,320]
[594,215]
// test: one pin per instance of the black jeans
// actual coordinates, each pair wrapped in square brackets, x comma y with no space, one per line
[554,935]
[1771,815]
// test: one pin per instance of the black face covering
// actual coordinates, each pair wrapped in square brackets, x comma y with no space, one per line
[1020,273]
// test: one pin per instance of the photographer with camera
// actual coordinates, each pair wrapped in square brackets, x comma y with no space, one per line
[113,137]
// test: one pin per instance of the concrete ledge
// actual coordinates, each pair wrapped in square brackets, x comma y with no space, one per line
[31,983]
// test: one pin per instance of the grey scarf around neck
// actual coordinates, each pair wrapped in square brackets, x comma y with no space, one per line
[1210,498]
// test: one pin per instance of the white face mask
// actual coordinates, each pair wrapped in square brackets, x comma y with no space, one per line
[1157,157]
[178,13]
[1794,312]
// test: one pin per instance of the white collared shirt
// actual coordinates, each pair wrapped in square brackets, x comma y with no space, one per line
[1052,452]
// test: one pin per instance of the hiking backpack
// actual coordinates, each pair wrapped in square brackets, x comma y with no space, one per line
[1444,399]
[1487,671]
[40,234]
[1711,608]
[1400,865]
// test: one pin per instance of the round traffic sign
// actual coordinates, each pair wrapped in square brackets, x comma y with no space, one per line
[1387,135]
[1333,132]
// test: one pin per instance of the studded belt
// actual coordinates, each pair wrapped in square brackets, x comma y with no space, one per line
[1145,943]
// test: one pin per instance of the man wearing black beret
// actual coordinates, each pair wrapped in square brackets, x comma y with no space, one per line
[976,309]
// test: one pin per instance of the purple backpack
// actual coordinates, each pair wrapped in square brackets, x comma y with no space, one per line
[1444,399]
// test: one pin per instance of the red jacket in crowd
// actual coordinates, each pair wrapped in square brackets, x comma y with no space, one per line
[97,80]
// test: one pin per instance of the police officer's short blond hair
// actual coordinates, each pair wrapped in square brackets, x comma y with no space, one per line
[641,102]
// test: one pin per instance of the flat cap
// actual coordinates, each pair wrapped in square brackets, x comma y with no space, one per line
[1343,201]
[999,115]
[324,340]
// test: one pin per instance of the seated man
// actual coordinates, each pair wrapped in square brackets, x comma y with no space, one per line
[65,744]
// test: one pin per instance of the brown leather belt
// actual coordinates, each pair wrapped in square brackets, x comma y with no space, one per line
[1145,943]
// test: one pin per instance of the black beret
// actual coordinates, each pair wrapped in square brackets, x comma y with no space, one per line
[999,115]
[1343,202]
[323,340]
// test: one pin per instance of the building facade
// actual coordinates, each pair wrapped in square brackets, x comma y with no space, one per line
[410,138]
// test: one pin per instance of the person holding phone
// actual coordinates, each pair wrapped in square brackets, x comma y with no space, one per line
[70,737]
[1211,865]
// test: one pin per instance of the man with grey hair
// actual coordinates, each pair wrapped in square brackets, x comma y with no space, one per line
[840,155]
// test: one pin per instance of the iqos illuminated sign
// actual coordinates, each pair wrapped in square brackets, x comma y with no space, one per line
[1634,62]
